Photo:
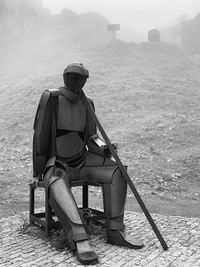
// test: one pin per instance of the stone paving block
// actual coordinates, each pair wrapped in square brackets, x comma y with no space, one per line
[25,246]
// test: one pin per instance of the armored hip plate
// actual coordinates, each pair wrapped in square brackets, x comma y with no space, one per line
[69,145]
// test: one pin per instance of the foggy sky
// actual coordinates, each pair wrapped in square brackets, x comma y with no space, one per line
[140,15]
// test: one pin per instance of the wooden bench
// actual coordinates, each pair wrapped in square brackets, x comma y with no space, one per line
[46,219]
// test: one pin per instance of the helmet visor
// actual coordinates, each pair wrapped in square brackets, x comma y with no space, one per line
[75,82]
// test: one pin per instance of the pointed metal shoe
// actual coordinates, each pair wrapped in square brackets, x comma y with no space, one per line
[120,238]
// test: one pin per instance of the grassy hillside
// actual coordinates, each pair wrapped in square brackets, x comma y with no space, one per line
[147,98]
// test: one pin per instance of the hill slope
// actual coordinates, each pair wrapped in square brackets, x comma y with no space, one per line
[147,100]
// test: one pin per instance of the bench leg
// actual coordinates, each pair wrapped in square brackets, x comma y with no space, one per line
[48,217]
[31,203]
[85,196]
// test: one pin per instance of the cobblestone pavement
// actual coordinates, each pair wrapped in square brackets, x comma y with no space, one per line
[22,245]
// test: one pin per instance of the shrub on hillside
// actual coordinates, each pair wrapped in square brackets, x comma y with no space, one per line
[190,35]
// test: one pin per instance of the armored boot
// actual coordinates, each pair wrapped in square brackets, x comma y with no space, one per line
[114,196]
[65,208]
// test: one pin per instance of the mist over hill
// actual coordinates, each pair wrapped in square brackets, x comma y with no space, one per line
[29,33]
[24,20]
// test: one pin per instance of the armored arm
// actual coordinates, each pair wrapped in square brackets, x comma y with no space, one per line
[94,143]
[42,134]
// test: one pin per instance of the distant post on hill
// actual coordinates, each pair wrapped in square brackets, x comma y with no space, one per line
[113,28]
[154,36]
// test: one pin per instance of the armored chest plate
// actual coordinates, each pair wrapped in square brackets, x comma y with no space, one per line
[71,116]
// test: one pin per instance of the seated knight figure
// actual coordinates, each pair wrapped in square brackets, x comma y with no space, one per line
[67,148]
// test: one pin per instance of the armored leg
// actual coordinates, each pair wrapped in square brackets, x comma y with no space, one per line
[57,184]
[114,196]
[107,173]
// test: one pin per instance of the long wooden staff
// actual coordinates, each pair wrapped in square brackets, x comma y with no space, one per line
[125,174]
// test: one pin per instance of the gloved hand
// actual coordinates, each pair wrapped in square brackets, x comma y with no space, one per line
[107,151]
